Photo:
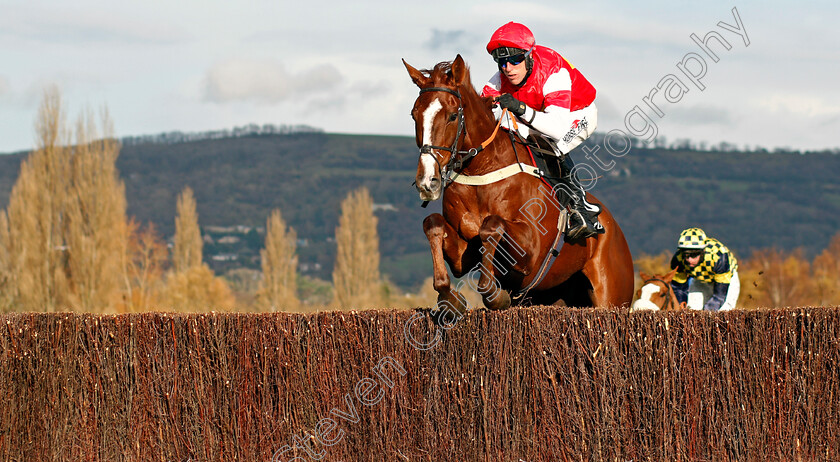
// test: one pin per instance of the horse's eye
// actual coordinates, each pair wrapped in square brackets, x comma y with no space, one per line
[453,116]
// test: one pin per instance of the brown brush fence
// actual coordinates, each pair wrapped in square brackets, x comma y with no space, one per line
[538,384]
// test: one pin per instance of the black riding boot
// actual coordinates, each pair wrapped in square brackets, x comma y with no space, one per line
[583,222]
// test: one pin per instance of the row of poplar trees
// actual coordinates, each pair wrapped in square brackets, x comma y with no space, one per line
[67,244]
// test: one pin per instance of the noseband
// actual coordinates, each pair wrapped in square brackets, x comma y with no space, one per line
[458,158]
[669,291]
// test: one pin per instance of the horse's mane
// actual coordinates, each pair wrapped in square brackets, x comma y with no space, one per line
[441,74]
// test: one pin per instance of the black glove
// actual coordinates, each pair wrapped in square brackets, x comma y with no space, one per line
[512,104]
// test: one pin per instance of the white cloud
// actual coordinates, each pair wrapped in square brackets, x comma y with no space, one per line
[525,12]
[799,105]
[700,115]
[267,81]
[370,89]
[137,56]
[446,39]
[554,25]
[72,27]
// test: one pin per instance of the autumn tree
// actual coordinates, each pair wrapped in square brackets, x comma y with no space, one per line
[775,279]
[146,260]
[651,264]
[186,252]
[654,264]
[826,272]
[34,241]
[356,273]
[278,288]
[191,285]
[7,276]
[63,235]
[95,228]
[197,289]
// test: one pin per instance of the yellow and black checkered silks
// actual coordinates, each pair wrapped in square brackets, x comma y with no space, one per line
[692,238]
[705,270]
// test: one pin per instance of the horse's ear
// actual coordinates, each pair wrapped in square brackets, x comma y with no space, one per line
[460,72]
[668,277]
[416,76]
[644,276]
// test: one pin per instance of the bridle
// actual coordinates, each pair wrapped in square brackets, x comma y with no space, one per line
[669,294]
[458,157]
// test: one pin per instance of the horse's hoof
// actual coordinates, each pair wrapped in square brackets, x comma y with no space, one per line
[449,309]
[444,318]
[500,302]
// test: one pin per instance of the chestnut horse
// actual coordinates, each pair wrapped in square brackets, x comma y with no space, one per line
[656,293]
[499,218]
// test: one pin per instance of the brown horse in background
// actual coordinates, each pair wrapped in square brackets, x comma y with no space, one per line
[656,293]
[504,227]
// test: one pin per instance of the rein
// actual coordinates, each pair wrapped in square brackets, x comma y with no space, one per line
[669,295]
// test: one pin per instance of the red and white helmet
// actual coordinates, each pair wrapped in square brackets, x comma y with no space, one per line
[511,35]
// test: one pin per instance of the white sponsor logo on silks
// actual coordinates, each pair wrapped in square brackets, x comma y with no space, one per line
[577,127]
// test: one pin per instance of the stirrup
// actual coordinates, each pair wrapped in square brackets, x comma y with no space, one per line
[585,228]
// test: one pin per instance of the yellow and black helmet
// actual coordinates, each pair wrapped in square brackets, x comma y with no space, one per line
[692,238]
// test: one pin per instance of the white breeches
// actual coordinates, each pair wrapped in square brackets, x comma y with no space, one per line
[700,292]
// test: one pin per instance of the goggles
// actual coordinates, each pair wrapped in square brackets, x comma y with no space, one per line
[504,55]
[514,60]
[691,253]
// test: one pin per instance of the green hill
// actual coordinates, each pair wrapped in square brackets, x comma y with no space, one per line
[747,200]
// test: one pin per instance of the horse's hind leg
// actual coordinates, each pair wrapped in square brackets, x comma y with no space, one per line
[446,245]
[610,267]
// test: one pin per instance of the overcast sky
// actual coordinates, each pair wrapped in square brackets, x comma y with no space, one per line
[205,65]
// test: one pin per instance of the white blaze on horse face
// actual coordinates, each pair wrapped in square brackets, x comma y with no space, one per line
[644,302]
[427,160]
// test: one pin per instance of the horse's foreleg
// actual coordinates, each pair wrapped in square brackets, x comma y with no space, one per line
[500,253]
[445,244]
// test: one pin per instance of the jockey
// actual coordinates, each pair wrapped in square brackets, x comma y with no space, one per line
[707,272]
[552,99]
